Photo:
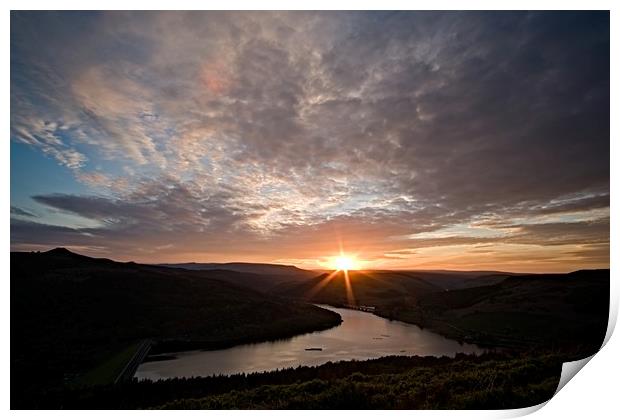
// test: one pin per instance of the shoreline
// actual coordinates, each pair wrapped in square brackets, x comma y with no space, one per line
[446,330]
[167,346]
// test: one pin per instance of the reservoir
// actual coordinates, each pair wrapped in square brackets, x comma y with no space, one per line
[360,336]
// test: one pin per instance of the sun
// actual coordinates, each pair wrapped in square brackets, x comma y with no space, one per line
[345,263]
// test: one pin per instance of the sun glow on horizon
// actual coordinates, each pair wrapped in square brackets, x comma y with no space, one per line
[341,264]
[345,263]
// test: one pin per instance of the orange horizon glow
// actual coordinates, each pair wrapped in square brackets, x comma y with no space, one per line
[509,258]
[215,144]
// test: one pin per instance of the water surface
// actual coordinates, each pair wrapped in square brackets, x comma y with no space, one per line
[361,336]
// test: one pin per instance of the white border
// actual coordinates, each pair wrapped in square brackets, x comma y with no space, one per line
[593,393]
[312,5]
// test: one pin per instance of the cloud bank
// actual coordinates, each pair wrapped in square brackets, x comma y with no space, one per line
[416,139]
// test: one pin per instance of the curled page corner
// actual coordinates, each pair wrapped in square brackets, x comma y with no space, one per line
[613,315]
[569,370]
[519,412]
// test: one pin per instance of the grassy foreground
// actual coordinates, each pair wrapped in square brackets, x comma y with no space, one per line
[489,381]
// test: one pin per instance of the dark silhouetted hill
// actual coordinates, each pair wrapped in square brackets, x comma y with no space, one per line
[450,280]
[262,277]
[70,312]
[369,288]
[257,268]
[488,308]
[549,310]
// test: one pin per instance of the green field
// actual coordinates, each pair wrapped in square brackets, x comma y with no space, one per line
[110,368]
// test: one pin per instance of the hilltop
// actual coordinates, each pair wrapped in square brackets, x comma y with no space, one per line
[262,277]
[243,267]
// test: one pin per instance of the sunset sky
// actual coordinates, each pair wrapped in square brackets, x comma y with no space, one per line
[411,139]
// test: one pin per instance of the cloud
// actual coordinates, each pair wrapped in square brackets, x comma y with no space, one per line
[21,212]
[46,136]
[269,124]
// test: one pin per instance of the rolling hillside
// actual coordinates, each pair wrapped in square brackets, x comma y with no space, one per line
[492,309]
[256,268]
[548,310]
[369,288]
[451,280]
[385,287]
[262,277]
[70,313]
